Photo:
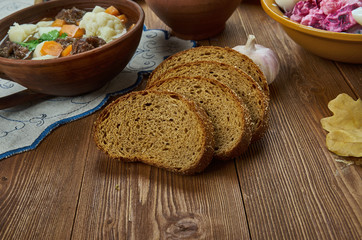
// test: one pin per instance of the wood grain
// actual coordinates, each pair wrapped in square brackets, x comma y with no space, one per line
[350,72]
[286,186]
[39,189]
[131,201]
[285,189]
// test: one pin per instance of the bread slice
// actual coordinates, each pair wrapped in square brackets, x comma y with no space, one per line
[228,114]
[242,84]
[213,53]
[162,129]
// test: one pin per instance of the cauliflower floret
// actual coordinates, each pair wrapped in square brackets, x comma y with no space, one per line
[103,25]
[18,33]
[98,9]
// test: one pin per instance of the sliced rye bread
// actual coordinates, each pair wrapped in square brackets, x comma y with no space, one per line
[225,109]
[213,53]
[162,129]
[242,84]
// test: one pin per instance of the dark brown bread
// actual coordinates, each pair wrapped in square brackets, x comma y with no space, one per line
[213,53]
[225,109]
[162,129]
[242,84]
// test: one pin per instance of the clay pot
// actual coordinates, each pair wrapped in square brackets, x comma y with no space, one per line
[194,19]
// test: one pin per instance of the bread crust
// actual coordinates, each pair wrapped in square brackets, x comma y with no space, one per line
[243,140]
[258,107]
[203,121]
[220,54]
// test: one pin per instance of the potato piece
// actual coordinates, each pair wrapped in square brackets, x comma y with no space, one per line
[44,24]
[42,30]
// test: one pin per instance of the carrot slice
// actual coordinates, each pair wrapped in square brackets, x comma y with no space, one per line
[51,48]
[112,10]
[72,30]
[132,26]
[123,18]
[67,51]
[58,23]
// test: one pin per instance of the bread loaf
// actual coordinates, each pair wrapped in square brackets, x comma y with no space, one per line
[162,129]
[243,85]
[226,111]
[213,53]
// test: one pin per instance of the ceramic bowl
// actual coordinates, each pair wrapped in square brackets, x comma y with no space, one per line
[342,47]
[80,73]
[194,19]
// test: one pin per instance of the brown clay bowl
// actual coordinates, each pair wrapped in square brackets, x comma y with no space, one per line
[76,74]
[194,19]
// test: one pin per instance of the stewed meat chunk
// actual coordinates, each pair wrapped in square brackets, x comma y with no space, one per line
[71,16]
[14,50]
[86,44]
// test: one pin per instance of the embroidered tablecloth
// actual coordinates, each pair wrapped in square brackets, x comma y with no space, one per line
[23,127]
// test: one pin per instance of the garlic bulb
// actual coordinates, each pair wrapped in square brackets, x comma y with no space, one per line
[264,57]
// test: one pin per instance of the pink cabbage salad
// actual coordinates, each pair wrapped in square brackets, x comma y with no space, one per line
[330,15]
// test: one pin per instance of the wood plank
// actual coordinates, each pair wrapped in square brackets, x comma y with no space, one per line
[134,201]
[292,185]
[353,75]
[39,189]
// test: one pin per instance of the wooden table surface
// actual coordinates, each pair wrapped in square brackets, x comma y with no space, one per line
[286,186]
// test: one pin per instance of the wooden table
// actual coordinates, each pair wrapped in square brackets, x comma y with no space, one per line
[286,186]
